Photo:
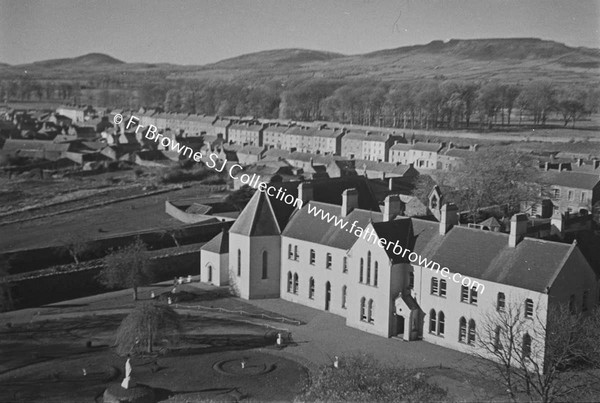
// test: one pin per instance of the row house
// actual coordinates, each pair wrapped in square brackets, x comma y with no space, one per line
[572,191]
[275,136]
[198,125]
[278,250]
[246,134]
[429,155]
[367,145]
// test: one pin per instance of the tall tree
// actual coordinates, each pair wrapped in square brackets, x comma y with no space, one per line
[127,267]
[145,325]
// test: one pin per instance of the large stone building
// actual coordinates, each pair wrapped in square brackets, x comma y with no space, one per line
[277,250]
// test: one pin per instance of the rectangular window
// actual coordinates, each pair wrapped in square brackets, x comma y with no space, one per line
[296,252]
[464,294]
[443,288]
[555,193]
[345,265]
[528,308]
[473,299]
[570,195]
[434,285]
[328,261]
[312,257]
[290,253]
[583,197]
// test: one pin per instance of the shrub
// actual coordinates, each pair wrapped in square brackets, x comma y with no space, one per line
[361,378]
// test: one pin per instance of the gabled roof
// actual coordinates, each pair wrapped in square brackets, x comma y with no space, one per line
[387,167]
[257,219]
[401,147]
[533,264]
[398,230]
[219,244]
[308,227]
[431,147]
[366,135]
[571,179]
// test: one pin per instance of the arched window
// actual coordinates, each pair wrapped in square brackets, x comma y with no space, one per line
[210,270]
[290,253]
[497,338]
[312,257]
[501,302]
[462,330]
[311,288]
[471,338]
[411,280]
[265,264]
[344,290]
[441,323]
[360,279]
[363,314]
[434,285]
[295,283]
[239,263]
[345,265]
[528,308]
[584,301]
[376,274]
[368,274]
[526,351]
[442,288]
[289,282]
[369,260]
[371,318]
[432,321]
[295,252]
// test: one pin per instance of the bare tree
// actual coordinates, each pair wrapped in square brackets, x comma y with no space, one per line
[144,326]
[76,247]
[538,353]
[128,266]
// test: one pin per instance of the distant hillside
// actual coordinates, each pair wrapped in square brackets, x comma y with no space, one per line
[509,60]
[91,60]
[278,56]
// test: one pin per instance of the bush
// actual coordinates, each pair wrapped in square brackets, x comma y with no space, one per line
[214,179]
[175,175]
[361,378]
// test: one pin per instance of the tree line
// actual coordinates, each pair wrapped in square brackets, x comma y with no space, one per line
[421,104]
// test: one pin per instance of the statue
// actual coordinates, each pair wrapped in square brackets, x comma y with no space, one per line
[127,382]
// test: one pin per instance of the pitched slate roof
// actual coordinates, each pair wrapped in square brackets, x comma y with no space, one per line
[219,244]
[257,219]
[571,179]
[387,167]
[458,153]
[399,230]
[431,147]
[532,264]
[366,135]
[308,227]
[401,147]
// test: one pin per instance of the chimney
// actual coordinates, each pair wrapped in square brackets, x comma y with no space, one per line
[390,184]
[546,166]
[579,162]
[596,164]
[557,220]
[305,192]
[349,201]
[448,217]
[518,229]
[393,207]
[450,145]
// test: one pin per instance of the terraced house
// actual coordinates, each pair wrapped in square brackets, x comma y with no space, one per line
[277,250]
[368,145]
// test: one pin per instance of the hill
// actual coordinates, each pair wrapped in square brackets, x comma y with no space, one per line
[510,60]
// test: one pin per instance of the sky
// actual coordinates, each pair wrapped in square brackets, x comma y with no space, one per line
[203,31]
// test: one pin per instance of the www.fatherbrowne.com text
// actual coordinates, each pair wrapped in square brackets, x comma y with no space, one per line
[212,160]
